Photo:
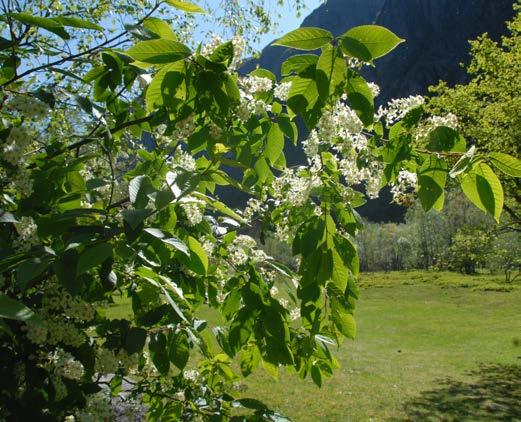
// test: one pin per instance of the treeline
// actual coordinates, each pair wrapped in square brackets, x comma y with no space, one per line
[460,238]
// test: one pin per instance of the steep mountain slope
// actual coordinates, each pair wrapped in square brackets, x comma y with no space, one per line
[436,34]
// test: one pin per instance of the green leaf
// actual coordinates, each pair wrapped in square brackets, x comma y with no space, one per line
[432,179]
[483,188]
[135,217]
[7,217]
[172,241]
[178,350]
[158,51]
[92,257]
[160,28]
[305,39]
[12,309]
[165,85]
[46,23]
[198,261]
[339,273]
[135,340]
[78,23]
[298,64]
[347,250]
[138,188]
[360,97]
[288,127]
[177,244]
[185,6]
[463,163]
[249,360]
[263,73]
[159,353]
[219,206]
[368,42]
[274,143]
[316,375]
[29,270]
[330,71]
[303,94]
[444,138]
[506,163]
[344,321]
[223,53]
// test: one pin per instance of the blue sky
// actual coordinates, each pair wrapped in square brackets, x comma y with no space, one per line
[287,22]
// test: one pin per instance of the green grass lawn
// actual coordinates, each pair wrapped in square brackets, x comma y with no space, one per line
[425,351]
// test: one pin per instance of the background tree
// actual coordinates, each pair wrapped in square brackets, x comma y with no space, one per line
[488,108]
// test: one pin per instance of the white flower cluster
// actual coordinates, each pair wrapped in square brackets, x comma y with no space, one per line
[243,248]
[193,210]
[209,48]
[253,84]
[183,160]
[58,315]
[215,131]
[98,408]
[294,314]
[249,106]
[428,125]
[191,375]
[184,128]
[16,144]
[65,365]
[208,246]
[65,332]
[370,174]
[397,108]
[341,124]
[22,182]
[108,362]
[294,188]
[403,189]
[13,151]
[28,106]
[281,91]
[253,207]
[375,89]
[354,63]
[57,299]
[239,45]
[27,234]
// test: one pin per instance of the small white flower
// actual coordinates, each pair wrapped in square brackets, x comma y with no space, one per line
[397,108]
[294,314]
[282,90]
[191,375]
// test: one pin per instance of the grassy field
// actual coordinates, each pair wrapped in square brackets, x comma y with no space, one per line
[427,349]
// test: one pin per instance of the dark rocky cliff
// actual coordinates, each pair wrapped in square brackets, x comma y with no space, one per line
[436,34]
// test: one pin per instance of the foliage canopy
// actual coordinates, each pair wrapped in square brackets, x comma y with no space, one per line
[112,157]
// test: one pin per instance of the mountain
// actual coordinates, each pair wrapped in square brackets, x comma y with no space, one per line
[436,34]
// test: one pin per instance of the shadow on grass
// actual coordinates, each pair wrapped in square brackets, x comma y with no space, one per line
[494,394]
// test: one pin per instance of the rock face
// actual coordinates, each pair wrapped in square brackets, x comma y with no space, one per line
[436,34]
